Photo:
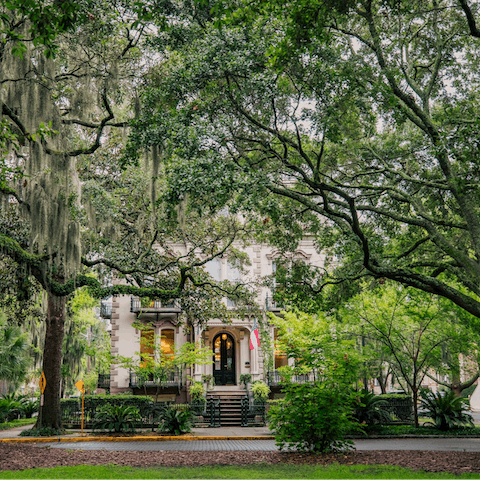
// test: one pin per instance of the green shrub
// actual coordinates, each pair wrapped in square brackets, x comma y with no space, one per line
[42,432]
[10,409]
[445,409]
[93,403]
[116,418]
[29,407]
[17,423]
[197,392]
[371,409]
[245,378]
[176,420]
[313,417]
[260,391]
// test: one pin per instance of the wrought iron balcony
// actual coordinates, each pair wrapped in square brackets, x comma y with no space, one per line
[153,306]
[171,379]
[274,378]
[271,305]
[103,380]
[105,310]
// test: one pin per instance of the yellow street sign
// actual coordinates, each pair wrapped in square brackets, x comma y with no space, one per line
[42,383]
[81,386]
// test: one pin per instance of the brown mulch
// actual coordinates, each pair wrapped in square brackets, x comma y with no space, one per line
[14,456]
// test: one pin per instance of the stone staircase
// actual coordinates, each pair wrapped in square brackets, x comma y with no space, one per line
[230,405]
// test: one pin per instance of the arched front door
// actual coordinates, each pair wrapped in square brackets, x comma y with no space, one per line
[224,359]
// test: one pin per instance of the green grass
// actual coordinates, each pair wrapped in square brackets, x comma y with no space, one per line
[17,423]
[250,471]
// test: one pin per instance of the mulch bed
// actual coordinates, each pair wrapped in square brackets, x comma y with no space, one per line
[21,456]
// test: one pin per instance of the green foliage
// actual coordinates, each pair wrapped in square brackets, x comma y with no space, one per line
[209,380]
[9,409]
[370,409]
[176,421]
[313,417]
[245,378]
[197,392]
[316,346]
[47,21]
[16,423]
[14,350]
[446,409]
[42,432]
[260,390]
[116,418]
[29,407]
[94,403]
[412,331]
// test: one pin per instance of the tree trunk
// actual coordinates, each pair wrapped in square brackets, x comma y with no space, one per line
[49,415]
[415,406]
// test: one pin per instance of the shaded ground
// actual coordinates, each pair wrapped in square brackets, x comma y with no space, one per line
[20,457]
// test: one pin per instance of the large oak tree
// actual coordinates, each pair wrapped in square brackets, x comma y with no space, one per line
[356,125]
[69,73]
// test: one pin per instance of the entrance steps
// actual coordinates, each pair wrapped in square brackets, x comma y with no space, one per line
[230,404]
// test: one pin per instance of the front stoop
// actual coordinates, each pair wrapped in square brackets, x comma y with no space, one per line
[230,405]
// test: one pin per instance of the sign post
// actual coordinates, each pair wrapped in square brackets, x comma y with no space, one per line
[42,384]
[81,387]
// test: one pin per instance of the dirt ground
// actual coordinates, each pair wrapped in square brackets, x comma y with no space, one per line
[21,457]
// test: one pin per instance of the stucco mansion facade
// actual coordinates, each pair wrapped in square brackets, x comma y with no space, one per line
[230,343]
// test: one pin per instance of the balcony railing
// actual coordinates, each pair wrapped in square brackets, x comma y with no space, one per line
[103,380]
[274,378]
[154,306]
[105,310]
[271,305]
[171,379]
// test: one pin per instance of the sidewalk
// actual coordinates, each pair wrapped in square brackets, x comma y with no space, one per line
[222,433]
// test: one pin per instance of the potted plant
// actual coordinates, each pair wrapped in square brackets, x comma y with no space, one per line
[260,391]
[246,378]
[209,381]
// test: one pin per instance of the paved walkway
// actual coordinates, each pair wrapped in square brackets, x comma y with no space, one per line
[231,438]
[438,444]
[198,432]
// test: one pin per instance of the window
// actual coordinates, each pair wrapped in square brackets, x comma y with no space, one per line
[214,268]
[167,342]
[280,359]
[147,347]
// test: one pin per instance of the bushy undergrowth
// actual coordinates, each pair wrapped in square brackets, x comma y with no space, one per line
[116,418]
[396,430]
[42,432]
[313,417]
[176,420]
[17,423]
[445,410]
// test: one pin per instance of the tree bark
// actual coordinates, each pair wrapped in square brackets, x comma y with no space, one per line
[49,415]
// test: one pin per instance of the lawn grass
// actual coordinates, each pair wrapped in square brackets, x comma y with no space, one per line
[17,423]
[248,471]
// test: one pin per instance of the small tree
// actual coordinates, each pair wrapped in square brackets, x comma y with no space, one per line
[156,366]
[314,416]
[414,328]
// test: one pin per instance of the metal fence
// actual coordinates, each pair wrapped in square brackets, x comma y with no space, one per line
[253,413]
[206,414]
